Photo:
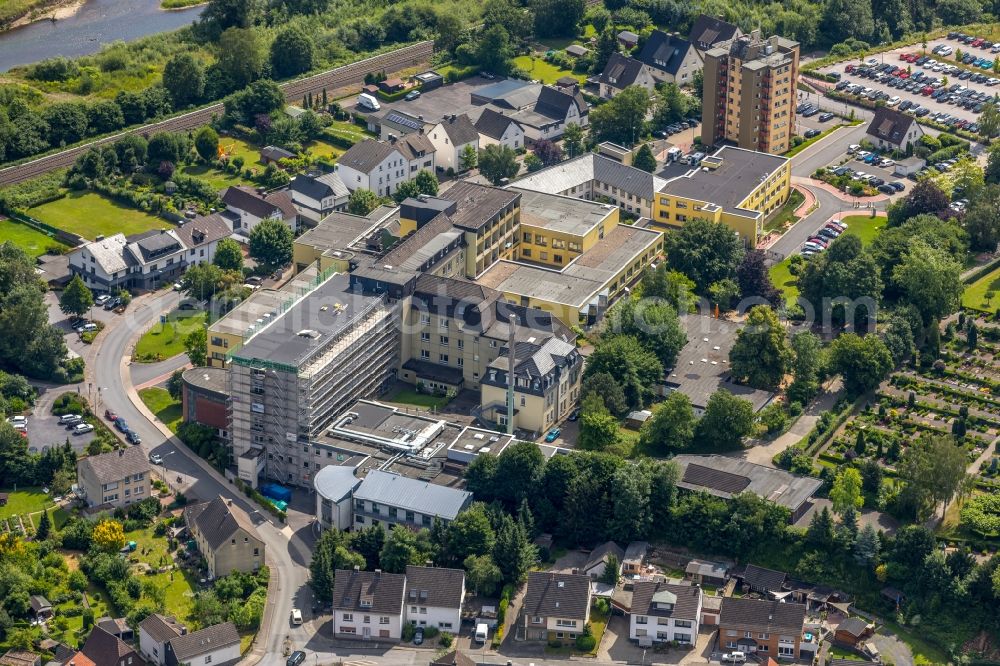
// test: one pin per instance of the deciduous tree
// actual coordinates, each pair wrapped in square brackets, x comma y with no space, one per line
[727,420]
[206,143]
[598,427]
[184,79]
[671,428]
[362,202]
[76,298]
[292,52]
[228,255]
[704,251]
[109,536]
[862,362]
[846,491]
[271,243]
[760,356]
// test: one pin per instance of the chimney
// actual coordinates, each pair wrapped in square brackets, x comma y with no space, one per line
[357,568]
[121,452]
[229,501]
[378,572]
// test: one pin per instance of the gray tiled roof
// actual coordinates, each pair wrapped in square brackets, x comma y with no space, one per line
[557,595]
[246,199]
[621,71]
[218,520]
[460,129]
[161,628]
[663,48]
[116,465]
[764,579]
[204,641]
[555,103]
[204,230]
[319,187]
[477,204]
[762,616]
[602,552]
[493,123]
[109,253]
[434,586]
[383,591]
[890,125]
[685,607]
[709,30]
[718,475]
[366,155]
[412,494]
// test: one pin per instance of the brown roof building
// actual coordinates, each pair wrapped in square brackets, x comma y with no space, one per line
[226,537]
[556,606]
[767,628]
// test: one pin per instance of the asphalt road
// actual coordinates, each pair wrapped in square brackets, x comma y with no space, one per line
[350,74]
[288,551]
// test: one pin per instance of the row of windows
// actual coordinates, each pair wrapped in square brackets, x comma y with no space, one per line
[366,619]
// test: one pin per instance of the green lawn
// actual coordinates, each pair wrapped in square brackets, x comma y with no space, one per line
[349,130]
[163,406]
[544,71]
[864,226]
[324,150]
[977,294]
[165,341]
[217,179]
[411,397]
[89,214]
[783,280]
[178,585]
[786,214]
[24,500]
[233,147]
[31,241]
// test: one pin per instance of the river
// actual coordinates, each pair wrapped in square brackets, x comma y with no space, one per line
[97,23]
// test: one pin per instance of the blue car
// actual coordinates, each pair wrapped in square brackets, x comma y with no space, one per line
[121,425]
[553,434]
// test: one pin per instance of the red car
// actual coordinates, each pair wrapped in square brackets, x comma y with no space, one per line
[977,41]
[849,69]
[110,415]
[904,74]
[926,90]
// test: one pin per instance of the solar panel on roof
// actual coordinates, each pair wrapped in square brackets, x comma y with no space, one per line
[403,120]
[707,477]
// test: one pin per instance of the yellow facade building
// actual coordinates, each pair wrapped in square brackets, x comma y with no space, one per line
[555,230]
[740,188]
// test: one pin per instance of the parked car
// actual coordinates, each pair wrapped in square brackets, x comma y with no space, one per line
[156,459]
[112,303]
[297,657]
[886,189]
[296,617]
[86,328]
[66,419]
[110,415]
[897,185]
[734,658]
[418,636]
[121,425]
[553,435]
[82,428]
[132,437]
[102,299]
[574,415]
[412,95]
[810,133]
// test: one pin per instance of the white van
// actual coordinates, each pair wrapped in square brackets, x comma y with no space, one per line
[368,102]
[482,632]
[674,154]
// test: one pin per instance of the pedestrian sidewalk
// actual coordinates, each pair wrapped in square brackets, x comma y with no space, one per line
[801,180]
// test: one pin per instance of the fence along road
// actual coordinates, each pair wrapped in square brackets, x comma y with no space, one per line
[391,61]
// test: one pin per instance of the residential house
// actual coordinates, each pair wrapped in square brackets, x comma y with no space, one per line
[218,645]
[274,154]
[634,558]
[628,39]
[705,572]
[662,612]
[890,129]
[543,111]
[101,263]
[434,597]
[759,579]
[396,122]
[623,71]
[115,479]
[247,208]
[117,626]
[556,606]
[392,86]
[226,537]
[103,649]
[853,631]
[381,166]
[451,138]
[317,195]
[17,657]
[368,604]
[154,633]
[201,236]
[157,257]
[496,128]
[40,607]
[708,31]
[670,58]
[764,628]
[600,557]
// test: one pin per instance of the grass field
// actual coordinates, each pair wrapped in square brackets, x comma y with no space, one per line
[349,131]
[982,294]
[234,147]
[11,10]
[31,241]
[324,150]
[177,585]
[163,406]
[23,501]
[544,71]
[783,280]
[864,226]
[165,341]
[217,179]
[411,397]
[90,215]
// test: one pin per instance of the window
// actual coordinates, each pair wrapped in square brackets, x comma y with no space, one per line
[685,624]
[368,619]
[536,619]
[348,617]
[443,339]
[425,337]
[383,619]
[566,623]
[641,619]
[443,358]
[424,354]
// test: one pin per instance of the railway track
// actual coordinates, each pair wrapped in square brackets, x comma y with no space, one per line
[392,61]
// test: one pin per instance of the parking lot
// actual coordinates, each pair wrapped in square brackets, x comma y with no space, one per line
[44,431]
[915,82]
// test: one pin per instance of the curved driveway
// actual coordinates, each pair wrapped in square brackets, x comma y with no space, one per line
[287,553]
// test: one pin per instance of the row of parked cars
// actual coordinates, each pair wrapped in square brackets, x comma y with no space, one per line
[823,237]
[970,59]
[974,41]
[131,436]
[676,128]
[76,424]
